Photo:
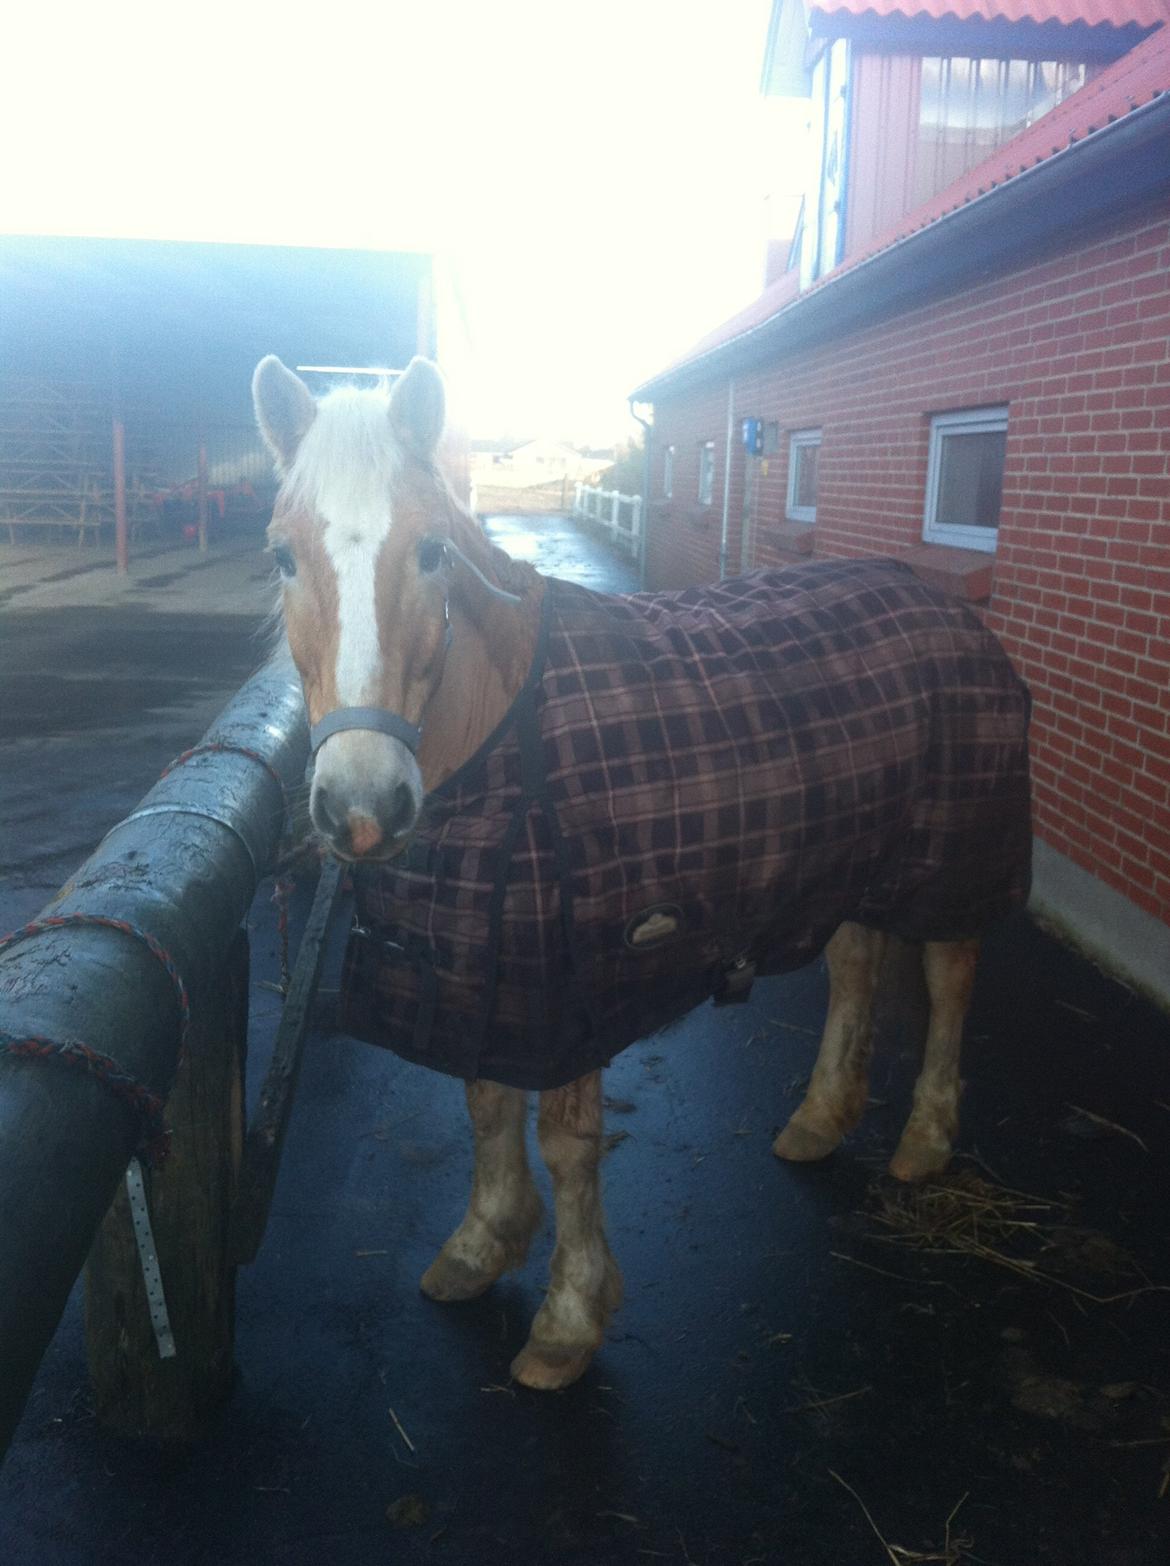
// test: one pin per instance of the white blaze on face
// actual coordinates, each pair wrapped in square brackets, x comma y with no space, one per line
[343,473]
[354,558]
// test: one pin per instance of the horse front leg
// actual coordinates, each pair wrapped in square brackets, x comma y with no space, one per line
[586,1285]
[504,1211]
[925,1147]
[839,1087]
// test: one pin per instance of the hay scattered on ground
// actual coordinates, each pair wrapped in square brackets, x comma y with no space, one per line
[962,1214]
[954,1548]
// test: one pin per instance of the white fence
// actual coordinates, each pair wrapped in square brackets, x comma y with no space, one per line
[618,515]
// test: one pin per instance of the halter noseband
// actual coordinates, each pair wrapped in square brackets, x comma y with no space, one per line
[380,719]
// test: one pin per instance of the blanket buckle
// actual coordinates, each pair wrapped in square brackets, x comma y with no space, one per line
[735,981]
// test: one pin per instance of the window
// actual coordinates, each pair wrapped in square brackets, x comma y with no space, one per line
[804,451]
[822,230]
[668,472]
[964,477]
[706,472]
[968,107]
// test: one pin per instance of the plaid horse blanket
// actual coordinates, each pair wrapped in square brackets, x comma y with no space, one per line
[689,784]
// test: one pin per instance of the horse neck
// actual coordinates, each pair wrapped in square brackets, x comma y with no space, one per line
[493,642]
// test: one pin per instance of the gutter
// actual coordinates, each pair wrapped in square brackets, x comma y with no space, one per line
[647,463]
[725,528]
[1109,169]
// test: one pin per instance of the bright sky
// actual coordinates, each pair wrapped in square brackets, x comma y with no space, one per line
[596,170]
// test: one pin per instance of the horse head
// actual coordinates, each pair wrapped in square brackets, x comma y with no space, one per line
[360,533]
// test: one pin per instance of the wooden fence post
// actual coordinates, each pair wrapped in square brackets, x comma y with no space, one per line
[191,1198]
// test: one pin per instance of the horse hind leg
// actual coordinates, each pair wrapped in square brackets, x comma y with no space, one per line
[925,1147]
[504,1211]
[839,1087]
[586,1285]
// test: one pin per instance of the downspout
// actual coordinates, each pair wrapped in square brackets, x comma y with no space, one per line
[643,531]
[725,534]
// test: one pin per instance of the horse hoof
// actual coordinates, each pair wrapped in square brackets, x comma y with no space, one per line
[448,1280]
[546,1367]
[917,1159]
[801,1146]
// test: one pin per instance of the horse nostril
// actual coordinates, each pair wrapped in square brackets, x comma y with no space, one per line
[400,814]
[327,818]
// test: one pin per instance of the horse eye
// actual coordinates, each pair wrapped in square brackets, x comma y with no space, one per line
[431,554]
[285,560]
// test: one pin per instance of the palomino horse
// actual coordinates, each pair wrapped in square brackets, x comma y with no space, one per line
[574,817]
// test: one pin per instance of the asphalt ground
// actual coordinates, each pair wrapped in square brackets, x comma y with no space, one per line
[810,1369]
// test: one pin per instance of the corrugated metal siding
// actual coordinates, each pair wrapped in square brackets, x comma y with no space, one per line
[882,143]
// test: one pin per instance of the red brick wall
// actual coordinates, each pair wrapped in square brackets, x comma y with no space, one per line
[1078,346]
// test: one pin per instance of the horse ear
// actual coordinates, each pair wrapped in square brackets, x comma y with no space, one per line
[418,406]
[284,408]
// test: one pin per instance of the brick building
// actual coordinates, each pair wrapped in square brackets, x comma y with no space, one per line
[967,364]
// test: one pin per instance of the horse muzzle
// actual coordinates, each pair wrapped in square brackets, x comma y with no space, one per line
[366,795]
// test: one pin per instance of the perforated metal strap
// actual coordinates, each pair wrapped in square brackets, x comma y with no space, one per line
[148,1260]
[375,718]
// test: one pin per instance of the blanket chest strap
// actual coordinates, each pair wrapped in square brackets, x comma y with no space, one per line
[735,982]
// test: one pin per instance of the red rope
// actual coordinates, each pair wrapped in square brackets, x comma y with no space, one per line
[223,748]
[153,1134]
[154,1137]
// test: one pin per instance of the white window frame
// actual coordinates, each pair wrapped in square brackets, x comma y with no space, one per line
[797,440]
[967,421]
[706,472]
[668,473]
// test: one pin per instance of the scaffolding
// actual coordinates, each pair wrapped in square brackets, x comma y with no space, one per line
[57,464]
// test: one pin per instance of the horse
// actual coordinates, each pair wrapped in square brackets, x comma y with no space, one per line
[572,817]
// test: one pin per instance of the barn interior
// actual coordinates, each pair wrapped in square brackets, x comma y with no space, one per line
[160,339]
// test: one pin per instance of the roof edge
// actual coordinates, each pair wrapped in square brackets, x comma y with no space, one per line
[865,289]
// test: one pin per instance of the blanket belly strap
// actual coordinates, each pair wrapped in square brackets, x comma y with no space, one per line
[534,786]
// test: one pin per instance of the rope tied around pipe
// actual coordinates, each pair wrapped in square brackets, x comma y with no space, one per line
[154,1135]
[226,748]
[148,1107]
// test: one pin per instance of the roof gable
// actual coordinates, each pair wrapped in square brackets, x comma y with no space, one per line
[1122,90]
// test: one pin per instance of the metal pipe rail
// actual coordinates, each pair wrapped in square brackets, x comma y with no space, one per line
[183,868]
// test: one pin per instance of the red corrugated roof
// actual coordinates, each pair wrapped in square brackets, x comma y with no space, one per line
[1129,83]
[1091,13]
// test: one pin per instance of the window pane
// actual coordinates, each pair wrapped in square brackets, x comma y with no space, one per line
[970,480]
[968,107]
[706,472]
[804,487]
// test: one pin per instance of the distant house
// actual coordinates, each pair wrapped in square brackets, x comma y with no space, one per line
[534,462]
[966,364]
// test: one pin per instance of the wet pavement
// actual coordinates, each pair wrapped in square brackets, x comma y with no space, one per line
[785,1362]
